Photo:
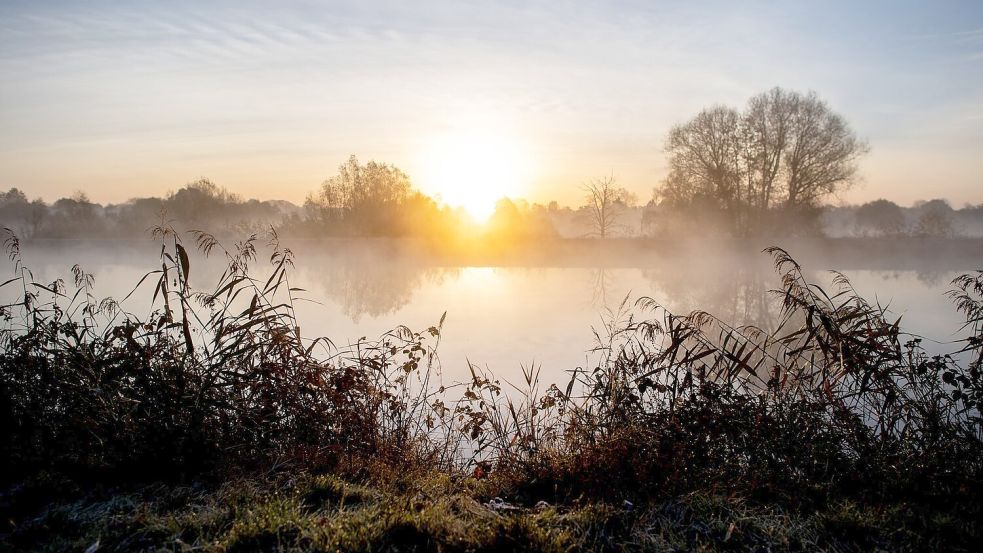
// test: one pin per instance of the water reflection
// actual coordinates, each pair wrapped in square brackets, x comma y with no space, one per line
[740,295]
[499,316]
[603,283]
[934,277]
[363,286]
[526,302]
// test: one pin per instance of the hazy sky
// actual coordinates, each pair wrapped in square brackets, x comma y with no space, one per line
[126,99]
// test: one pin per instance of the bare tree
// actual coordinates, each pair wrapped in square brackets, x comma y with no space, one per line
[785,150]
[606,203]
[822,152]
[705,159]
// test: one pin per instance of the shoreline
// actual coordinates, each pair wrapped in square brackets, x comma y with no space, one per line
[818,253]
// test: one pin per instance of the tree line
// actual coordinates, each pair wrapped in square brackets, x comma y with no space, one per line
[767,169]
[932,218]
[199,204]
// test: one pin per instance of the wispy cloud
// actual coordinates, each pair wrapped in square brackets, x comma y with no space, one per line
[228,79]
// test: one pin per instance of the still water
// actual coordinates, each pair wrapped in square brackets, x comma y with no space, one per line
[503,317]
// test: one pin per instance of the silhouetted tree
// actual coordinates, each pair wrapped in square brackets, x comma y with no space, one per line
[12,197]
[785,150]
[14,209]
[883,217]
[705,160]
[137,214]
[935,219]
[74,216]
[37,213]
[606,203]
[361,199]
[200,202]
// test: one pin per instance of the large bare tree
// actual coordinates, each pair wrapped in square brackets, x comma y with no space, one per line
[704,154]
[606,202]
[785,150]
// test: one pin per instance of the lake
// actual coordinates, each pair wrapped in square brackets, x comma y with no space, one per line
[506,312]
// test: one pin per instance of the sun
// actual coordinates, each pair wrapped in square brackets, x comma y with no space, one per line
[474,169]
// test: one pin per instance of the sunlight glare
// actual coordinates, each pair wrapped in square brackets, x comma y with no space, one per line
[473,170]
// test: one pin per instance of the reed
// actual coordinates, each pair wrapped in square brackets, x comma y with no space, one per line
[212,384]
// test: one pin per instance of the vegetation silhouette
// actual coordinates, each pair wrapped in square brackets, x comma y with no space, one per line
[881,217]
[835,404]
[743,298]
[777,159]
[606,203]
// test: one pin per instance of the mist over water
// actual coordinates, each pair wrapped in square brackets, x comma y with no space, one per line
[541,310]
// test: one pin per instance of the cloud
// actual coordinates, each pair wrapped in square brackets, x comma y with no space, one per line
[588,79]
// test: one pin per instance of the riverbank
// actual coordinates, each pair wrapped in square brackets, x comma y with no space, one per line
[291,511]
[222,430]
[911,253]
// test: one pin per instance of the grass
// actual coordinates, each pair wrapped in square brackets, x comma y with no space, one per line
[212,423]
[435,513]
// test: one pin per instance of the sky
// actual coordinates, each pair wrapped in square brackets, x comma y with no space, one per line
[126,99]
